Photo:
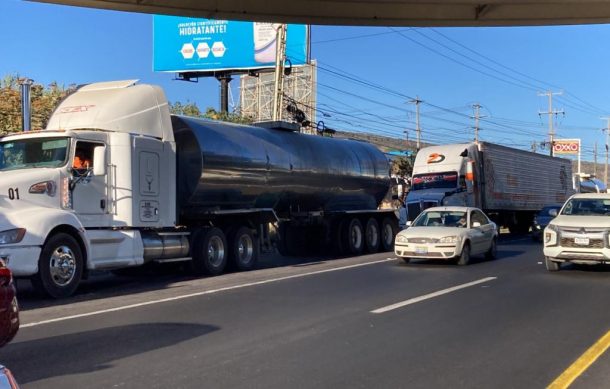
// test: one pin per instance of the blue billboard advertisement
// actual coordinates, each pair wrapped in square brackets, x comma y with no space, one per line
[189,44]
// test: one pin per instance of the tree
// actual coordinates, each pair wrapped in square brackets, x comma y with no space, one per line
[191,109]
[44,100]
[402,166]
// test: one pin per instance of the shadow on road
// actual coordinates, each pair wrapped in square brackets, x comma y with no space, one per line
[44,358]
[150,277]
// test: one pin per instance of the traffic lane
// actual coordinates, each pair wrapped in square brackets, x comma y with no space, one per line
[308,331]
[330,298]
[149,278]
[104,284]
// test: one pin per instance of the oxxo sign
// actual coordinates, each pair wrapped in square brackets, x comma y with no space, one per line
[566,146]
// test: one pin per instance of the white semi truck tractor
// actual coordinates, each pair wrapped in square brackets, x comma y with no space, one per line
[509,184]
[151,186]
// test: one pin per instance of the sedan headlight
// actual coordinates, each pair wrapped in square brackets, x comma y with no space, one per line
[401,239]
[449,239]
[12,236]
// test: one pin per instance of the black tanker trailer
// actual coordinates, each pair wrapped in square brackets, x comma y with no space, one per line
[320,192]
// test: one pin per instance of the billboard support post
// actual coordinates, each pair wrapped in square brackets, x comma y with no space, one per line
[224,79]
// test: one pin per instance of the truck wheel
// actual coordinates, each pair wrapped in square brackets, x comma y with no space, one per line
[551,265]
[388,232]
[210,252]
[492,253]
[353,237]
[243,252]
[372,235]
[60,267]
[464,258]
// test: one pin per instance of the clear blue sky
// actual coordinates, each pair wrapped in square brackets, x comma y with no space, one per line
[502,69]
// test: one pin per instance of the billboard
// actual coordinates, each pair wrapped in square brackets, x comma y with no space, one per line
[189,44]
[566,146]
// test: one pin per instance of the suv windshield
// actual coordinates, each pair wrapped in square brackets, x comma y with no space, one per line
[33,153]
[445,180]
[585,206]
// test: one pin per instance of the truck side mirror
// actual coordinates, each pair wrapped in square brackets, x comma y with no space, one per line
[99,161]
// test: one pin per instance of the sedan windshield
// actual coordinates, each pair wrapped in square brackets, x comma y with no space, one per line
[446,180]
[441,219]
[33,153]
[585,206]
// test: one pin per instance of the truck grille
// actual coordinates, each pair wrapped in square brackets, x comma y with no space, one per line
[587,230]
[413,211]
[593,243]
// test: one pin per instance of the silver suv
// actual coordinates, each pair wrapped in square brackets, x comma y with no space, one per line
[580,232]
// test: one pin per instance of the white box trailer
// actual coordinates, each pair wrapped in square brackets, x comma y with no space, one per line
[508,184]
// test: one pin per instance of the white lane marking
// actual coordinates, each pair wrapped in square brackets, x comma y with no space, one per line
[181,297]
[431,295]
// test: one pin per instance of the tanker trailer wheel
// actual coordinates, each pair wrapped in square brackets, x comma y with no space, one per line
[209,252]
[372,235]
[285,242]
[353,237]
[60,267]
[243,250]
[388,232]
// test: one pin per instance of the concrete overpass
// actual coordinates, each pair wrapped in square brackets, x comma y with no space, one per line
[373,13]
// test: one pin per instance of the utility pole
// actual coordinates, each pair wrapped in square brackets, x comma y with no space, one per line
[551,112]
[417,101]
[607,132]
[476,118]
[595,159]
[280,58]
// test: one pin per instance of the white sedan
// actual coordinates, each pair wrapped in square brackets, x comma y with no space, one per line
[450,233]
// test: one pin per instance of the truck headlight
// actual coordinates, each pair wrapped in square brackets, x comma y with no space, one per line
[449,239]
[401,239]
[12,236]
[550,235]
[48,187]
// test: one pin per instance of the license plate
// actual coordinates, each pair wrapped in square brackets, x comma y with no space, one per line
[581,241]
[421,250]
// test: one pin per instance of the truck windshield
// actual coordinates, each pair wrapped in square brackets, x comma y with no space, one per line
[584,206]
[445,180]
[33,153]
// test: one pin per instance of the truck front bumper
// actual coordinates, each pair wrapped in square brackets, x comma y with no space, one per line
[22,260]
[578,255]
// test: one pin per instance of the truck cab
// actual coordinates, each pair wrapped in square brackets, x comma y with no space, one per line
[59,219]
[443,175]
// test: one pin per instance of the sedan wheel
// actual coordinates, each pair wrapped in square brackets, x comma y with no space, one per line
[492,253]
[464,258]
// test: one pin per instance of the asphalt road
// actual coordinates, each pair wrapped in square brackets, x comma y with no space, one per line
[506,323]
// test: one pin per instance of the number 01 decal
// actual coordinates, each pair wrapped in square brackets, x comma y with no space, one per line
[13,193]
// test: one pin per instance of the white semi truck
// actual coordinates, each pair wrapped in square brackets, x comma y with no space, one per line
[510,185]
[151,186]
